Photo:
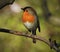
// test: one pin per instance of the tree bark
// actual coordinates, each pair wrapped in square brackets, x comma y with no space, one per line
[3,3]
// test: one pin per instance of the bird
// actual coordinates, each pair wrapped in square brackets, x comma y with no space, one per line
[30,20]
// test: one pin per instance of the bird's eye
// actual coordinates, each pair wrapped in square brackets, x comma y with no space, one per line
[26,10]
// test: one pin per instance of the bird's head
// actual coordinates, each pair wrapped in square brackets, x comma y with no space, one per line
[29,9]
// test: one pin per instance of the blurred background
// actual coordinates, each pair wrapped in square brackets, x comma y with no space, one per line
[10,18]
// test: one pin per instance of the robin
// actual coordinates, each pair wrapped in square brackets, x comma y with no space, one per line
[30,20]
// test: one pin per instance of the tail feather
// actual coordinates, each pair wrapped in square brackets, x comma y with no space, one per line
[34,33]
[39,28]
[38,25]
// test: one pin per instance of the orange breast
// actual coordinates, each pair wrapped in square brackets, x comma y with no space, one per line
[27,17]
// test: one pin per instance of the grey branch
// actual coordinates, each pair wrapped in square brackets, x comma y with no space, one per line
[30,36]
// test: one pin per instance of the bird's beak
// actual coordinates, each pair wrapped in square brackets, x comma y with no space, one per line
[22,9]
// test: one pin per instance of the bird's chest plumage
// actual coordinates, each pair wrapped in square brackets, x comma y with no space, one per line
[28,20]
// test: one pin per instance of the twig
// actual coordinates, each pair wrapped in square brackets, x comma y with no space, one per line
[29,36]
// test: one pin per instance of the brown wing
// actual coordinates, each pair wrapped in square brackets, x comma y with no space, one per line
[33,12]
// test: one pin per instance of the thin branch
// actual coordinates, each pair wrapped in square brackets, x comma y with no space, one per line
[29,36]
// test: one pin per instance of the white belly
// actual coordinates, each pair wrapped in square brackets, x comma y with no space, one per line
[29,25]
